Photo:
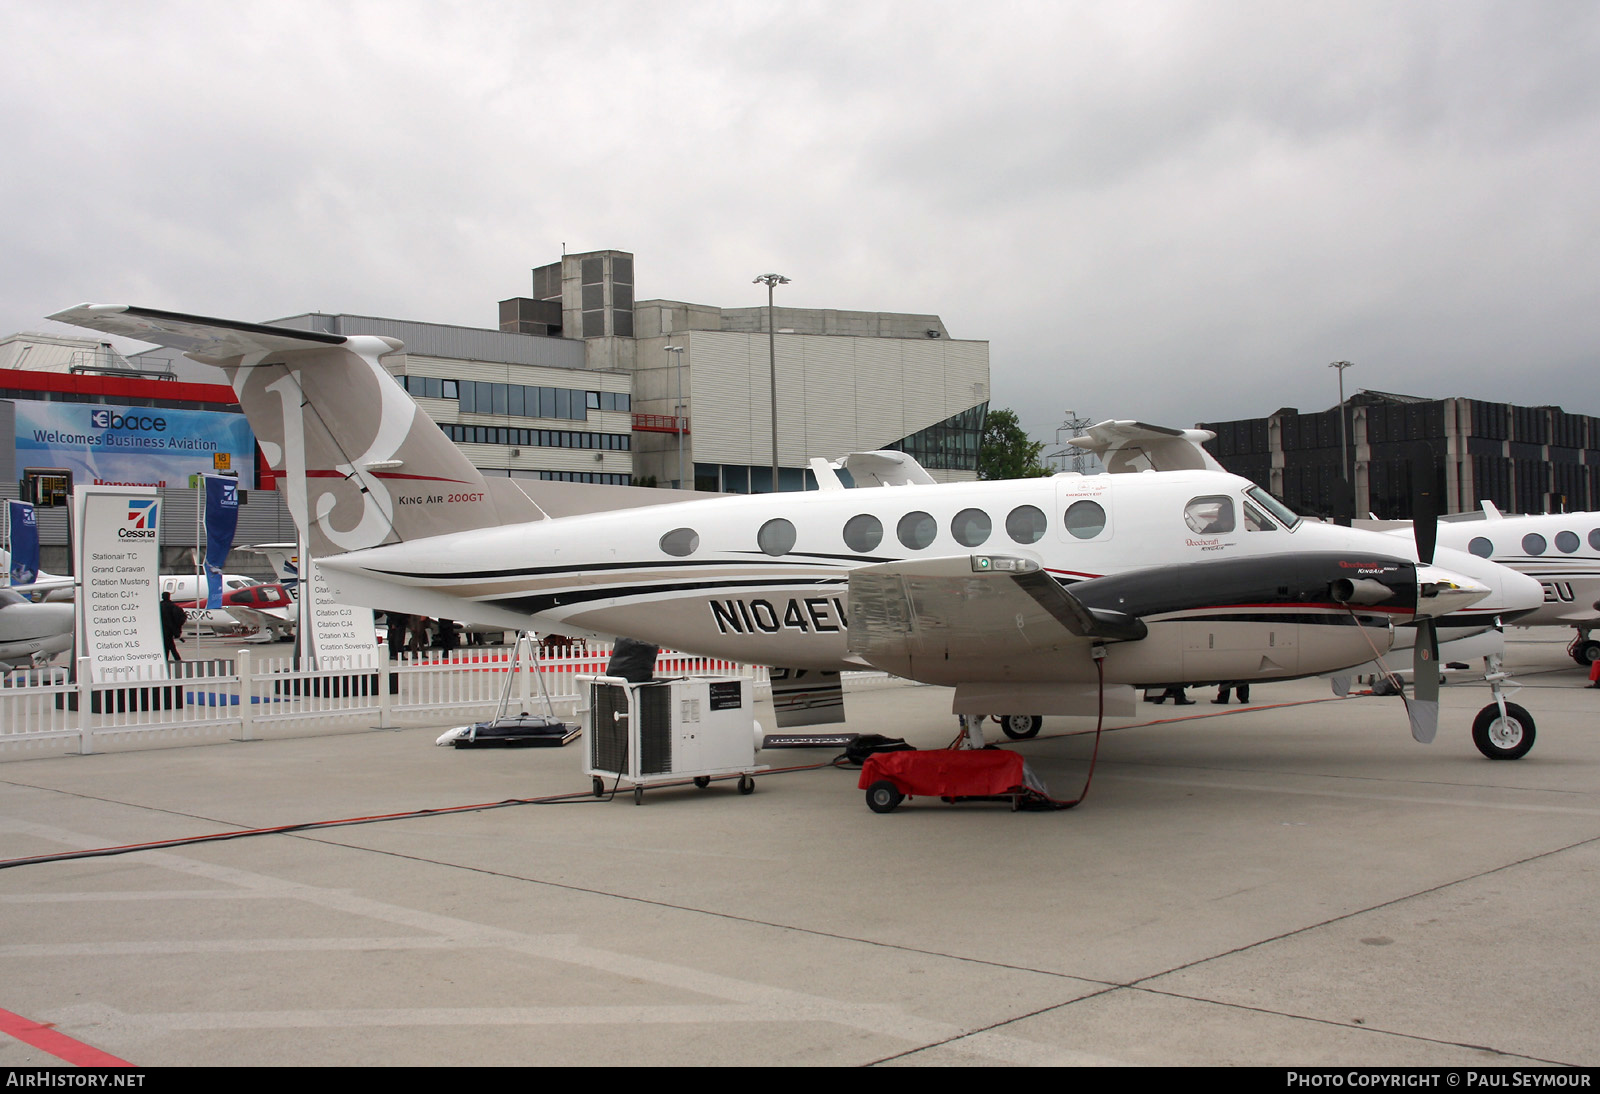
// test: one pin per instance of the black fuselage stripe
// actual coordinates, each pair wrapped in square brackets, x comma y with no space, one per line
[543,602]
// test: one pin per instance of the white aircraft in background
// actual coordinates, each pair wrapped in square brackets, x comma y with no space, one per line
[1561,551]
[32,633]
[254,607]
[1041,596]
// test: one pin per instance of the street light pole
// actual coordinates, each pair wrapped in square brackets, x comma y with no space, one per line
[1344,441]
[771,281]
[677,411]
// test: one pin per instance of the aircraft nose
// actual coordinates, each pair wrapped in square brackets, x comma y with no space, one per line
[1441,591]
[1519,594]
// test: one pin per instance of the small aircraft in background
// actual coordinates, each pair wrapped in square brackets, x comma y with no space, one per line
[1038,596]
[1561,551]
[248,606]
[31,633]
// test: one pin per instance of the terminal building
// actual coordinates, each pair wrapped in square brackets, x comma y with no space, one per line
[1523,459]
[580,383]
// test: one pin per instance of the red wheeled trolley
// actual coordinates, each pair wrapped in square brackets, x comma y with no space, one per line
[950,774]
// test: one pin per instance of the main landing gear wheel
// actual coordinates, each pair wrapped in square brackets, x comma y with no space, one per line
[883,796]
[1019,727]
[1586,653]
[747,785]
[702,781]
[1507,738]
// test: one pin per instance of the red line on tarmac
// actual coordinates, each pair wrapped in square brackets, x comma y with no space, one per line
[58,1044]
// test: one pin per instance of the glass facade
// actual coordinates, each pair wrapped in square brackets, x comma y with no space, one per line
[950,445]
[480,397]
[538,438]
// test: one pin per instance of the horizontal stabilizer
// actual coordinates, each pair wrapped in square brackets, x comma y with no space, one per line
[197,335]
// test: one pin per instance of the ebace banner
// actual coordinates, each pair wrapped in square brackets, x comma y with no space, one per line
[107,445]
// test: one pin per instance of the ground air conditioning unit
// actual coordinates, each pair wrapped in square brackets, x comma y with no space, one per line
[669,731]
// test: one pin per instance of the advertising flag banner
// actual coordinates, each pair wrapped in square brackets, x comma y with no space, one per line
[24,543]
[117,531]
[222,518]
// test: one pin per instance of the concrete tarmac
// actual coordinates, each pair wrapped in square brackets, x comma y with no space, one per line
[1294,883]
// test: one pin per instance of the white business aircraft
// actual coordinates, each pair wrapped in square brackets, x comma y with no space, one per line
[31,633]
[248,606]
[1046,596]
[1561,551]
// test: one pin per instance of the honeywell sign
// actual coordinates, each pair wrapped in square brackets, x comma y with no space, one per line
[117,530]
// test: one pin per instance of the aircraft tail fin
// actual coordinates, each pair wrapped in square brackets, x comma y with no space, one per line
[364,465]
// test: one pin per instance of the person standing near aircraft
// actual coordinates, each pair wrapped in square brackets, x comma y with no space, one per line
[172,620]
[1230,685]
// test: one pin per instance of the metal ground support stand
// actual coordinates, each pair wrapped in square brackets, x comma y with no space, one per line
[666,731]
[530,641]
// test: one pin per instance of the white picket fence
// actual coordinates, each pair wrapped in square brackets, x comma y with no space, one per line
[252,697]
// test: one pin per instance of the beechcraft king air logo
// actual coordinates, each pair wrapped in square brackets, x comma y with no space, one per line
[142,519]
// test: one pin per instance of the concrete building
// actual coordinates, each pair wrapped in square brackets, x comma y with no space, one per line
[847,380]
[1524,459]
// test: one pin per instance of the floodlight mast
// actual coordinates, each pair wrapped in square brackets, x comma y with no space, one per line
[1344,444]
[677,411]
[771,281]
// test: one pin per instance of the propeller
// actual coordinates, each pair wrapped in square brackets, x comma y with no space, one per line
[1423,707]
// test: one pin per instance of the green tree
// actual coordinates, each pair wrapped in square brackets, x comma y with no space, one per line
[1007,452]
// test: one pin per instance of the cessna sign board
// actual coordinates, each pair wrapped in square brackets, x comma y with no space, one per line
[119,563]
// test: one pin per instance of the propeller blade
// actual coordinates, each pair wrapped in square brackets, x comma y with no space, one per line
[1424,504]
[1341,685]
[1423,708]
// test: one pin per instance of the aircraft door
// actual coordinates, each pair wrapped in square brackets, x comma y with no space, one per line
[1083,509]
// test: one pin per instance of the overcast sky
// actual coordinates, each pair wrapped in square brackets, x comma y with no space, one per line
[1165,211]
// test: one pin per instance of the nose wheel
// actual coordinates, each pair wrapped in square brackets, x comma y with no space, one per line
[1507,736]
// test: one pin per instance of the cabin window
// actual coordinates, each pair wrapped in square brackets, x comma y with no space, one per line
[916,530]
[1025,524]
[1566,542]
[971,527]
[776,537]
[1209,516]
[1594,538]
[1533,543]
[681,542]
[863,533]
[1085,519]
[1481,547]
[1256,521]
[1280,512]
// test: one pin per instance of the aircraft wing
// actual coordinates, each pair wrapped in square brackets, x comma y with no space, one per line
[198,336]
[973,607]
